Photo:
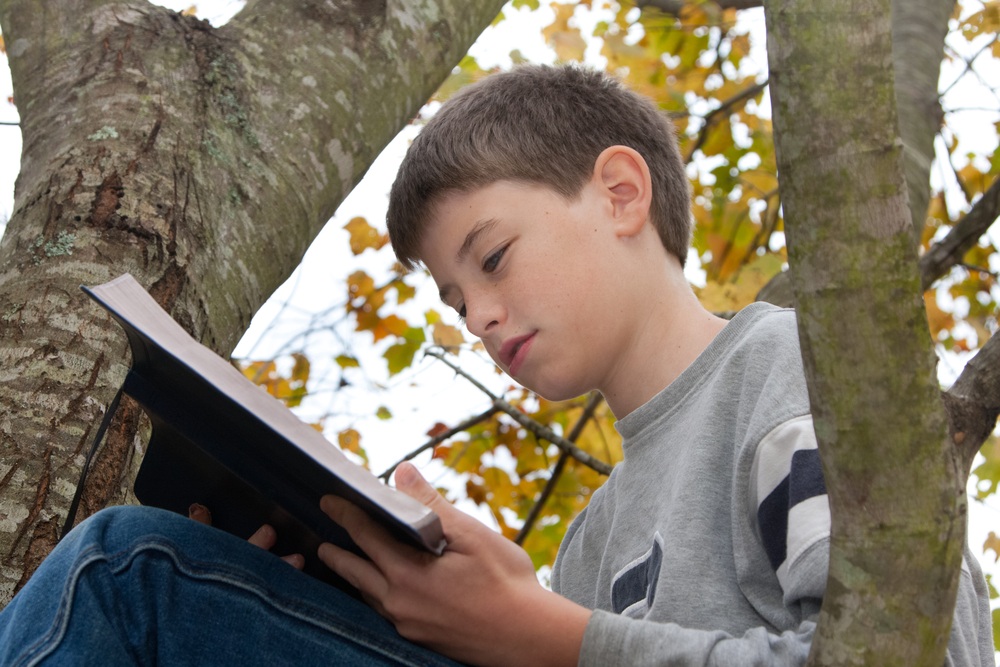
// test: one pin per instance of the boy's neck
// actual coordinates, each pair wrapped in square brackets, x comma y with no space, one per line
[671,332]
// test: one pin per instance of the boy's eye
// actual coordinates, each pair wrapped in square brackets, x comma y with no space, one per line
[461,313]
[490,263]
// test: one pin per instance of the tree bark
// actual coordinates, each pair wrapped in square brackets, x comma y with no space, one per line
[897,537]
[918,31]
[201,160]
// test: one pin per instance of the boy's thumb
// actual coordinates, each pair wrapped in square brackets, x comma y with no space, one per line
[412,483]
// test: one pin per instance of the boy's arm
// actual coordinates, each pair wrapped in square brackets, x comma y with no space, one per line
[479,602]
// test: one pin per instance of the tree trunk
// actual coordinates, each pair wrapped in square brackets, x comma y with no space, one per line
[897,535]
[918,31]
[201,160]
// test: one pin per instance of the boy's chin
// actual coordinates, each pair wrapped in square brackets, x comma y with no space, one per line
[555,394]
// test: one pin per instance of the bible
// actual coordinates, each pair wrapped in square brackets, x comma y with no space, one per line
[220,440]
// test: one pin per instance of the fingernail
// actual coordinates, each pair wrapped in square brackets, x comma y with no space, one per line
[297,561]
[262,531]
[198,511]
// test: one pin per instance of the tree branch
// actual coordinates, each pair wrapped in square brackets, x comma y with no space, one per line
[711,117]
[540,430]
[536,510]
[439,438]
[949,251]
[973,402]
[935,263]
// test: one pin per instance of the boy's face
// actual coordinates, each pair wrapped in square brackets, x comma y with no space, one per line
[533,274]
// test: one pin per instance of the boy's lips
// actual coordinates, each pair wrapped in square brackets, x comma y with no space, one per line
[514,350]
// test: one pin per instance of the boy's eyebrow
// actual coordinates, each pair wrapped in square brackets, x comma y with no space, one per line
[478,230]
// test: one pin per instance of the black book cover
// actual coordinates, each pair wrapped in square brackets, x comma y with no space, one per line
[219,440]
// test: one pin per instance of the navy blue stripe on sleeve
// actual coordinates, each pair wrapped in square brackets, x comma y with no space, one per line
[804,481]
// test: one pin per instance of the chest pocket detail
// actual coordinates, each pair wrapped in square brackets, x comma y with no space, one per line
[634,587]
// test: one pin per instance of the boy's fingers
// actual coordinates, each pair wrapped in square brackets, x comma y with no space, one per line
[412,483]
[368,535]
[356,571]
[265,537]
[200,513]
[297,561]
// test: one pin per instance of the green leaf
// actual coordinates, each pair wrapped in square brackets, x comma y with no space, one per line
[346,361]
[400,356]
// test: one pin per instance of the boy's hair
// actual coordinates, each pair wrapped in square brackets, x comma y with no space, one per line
[542,125]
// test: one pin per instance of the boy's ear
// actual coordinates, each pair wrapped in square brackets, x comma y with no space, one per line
[623,176]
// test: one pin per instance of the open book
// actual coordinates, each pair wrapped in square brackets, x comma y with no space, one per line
[221,441]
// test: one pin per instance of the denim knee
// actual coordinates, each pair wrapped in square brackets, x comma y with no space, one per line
[113,527]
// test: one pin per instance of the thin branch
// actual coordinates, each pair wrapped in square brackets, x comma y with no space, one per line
[7,122]
[979,269]
[439,438]
[949,251]
[541,431]
[546,433]
[968,65]
[712,116]
[438,353]
[536,510]
[973,402]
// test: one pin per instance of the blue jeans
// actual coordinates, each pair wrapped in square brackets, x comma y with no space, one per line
[140,586]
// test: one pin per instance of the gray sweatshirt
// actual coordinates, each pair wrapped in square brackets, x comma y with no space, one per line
[708,544]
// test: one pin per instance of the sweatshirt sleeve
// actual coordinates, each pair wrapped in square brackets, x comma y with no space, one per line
[618,640]
[788,497]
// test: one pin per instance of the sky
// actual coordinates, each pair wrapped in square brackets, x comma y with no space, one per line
[430,392]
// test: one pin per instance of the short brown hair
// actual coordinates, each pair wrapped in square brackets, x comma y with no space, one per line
[537,124]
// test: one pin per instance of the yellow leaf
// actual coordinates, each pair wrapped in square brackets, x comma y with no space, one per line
[359,283]
[992,542]
[975,181]
[300,368]
[735,294]
[350,441]
[364,236]
[937,319]
[259,372]
[395,325]
[986,20]
[720,137]
[564,38]
[761,182]
[739,46]
[447,336]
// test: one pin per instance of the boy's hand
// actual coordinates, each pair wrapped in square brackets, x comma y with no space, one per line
[479,602]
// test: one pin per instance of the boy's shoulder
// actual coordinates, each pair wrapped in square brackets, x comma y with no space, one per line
[762,328]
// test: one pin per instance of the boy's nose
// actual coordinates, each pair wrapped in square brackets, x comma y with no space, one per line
[482,315]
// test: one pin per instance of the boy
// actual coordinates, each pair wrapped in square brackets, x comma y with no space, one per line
[551,208]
